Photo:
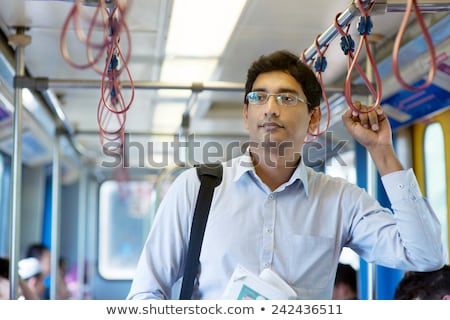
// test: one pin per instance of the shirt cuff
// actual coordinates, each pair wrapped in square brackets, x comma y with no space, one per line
[401,185]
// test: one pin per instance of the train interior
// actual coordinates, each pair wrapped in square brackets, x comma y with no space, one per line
[98,97]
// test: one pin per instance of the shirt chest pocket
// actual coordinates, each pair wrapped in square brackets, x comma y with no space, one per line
[311,261]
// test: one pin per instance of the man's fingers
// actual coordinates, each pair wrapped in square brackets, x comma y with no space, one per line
[369,120]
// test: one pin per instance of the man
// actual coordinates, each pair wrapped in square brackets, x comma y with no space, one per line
[346,283]
[4,279]
[271,211]
[25,291]
[432,285]
[31,273]
[42,253]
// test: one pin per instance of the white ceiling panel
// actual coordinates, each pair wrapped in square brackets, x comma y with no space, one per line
[264,26]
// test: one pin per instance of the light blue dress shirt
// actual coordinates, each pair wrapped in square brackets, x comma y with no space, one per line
[298,231]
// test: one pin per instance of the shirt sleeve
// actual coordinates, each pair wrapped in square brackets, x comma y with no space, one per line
[418,226]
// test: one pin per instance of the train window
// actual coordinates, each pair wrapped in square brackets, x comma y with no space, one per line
[435,185]
[126,213]
[342,165]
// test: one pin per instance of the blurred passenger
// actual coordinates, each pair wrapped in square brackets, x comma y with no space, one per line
[345,283]
[63,291]
[78,288]
[42,253]
[24,291]
[31,273]
[4,279]
[432,285]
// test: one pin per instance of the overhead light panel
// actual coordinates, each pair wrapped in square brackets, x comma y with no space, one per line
[194,34]
[194,44]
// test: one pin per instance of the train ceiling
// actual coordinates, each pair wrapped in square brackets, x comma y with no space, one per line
[207,84]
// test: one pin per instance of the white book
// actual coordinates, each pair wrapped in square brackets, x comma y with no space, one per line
[245,285]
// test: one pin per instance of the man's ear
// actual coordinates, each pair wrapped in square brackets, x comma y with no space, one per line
[314,122]
[245,115]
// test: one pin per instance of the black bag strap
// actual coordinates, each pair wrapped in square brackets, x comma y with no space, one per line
[210,176]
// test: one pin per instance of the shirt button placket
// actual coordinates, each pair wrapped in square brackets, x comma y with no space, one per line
[268,234]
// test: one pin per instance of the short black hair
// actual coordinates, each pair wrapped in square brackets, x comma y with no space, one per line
[431,285]
[4,268]
[345,273]
[36,250]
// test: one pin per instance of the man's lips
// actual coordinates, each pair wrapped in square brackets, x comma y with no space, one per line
[270,125]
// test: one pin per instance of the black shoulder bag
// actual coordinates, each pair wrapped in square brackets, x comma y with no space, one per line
[210,176]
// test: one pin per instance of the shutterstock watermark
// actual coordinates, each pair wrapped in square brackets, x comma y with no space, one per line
[315,152]
[190,151]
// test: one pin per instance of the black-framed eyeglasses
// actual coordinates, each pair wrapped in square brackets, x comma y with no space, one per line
[283,98]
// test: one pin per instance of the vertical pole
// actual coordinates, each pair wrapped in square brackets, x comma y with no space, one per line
[56,214]
[20,40]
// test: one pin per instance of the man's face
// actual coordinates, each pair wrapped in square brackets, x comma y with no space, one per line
[276,123]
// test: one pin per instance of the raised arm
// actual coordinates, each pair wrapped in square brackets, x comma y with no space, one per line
[373,131]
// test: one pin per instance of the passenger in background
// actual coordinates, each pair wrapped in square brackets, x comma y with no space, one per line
[30,271]
[272,211]
[432,285]
[24,290]
[346,283]
[42,253]
[63,291]
[4,279]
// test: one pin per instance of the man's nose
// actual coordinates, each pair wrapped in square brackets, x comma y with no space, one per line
[272,106]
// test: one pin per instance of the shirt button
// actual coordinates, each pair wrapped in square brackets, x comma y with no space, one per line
[269,230]
[400,186]
[266,265]
[270,196]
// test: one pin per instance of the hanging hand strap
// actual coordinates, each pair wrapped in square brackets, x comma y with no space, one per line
[210,176]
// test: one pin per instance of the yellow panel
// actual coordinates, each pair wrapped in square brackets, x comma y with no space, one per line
[419,168]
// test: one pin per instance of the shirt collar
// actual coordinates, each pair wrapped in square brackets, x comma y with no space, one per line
[301,173]
[244,164]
